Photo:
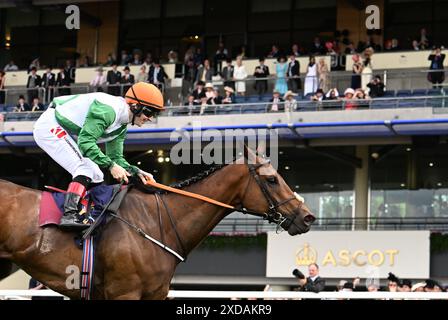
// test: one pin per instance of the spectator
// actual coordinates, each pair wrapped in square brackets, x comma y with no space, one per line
[295,50]
[127,79]
[2,86]
[11,66]
[361,95]
[392,285]
[280,70]
[436,58]
[293,72]
[311,81]
[366,73]
[48,82]
[348,97]
[424,40]
[124,58]
[113,80]
[318,95]
[433,286]
[332,94]
[35,63]
[276,101]
[198,57]
[98,80]
[323,71]
[70,71]
[290,102]
[172,56]
[63,82]
[261,71]
[376,87]
[418,287]
[356,70]
[199,92]
[209,90]
[216,98]
[317,47]
[229,96]
[36,105]
[340,285]
[136,61]
[205,72]
[275,52]
[240,73]
[221,54]
[189,77]
[190,102]
[157,75]
[313,283]
[415,46]
[34,82]
[227,74]
[405,285]
[110,60]
[372,287]
[142,76]
[22,106]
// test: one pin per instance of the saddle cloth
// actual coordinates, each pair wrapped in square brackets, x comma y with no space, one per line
[52,203]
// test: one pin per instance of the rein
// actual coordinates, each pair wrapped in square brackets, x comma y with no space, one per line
[273,215]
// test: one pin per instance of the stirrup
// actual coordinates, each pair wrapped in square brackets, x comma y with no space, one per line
[69,222]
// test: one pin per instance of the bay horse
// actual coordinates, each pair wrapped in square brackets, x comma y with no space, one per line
[127,266]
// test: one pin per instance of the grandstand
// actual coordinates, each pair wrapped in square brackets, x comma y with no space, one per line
[376,164]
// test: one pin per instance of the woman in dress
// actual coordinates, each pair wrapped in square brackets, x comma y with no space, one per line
[281,85]
[366,74]
[357,69]
[311,81]
[323,71]
[239,73]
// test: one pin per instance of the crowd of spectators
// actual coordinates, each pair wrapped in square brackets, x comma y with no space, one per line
[199,70]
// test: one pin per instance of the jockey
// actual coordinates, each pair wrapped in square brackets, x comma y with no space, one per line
[89,119]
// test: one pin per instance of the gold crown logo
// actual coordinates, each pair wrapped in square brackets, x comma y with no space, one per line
[306,256]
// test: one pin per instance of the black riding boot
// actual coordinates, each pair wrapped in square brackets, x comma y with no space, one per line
[71,208]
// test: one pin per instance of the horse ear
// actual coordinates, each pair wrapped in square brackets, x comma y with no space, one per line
[261,149]
[249,155]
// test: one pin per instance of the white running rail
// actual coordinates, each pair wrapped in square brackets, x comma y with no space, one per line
[381,295]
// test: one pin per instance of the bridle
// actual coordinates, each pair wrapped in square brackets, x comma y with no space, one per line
[273,215]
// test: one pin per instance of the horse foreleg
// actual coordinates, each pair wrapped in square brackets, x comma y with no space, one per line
[5,268]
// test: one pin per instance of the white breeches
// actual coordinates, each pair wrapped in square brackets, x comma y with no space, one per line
[58,144]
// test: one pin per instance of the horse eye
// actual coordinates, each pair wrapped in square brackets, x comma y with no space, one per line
[272,180]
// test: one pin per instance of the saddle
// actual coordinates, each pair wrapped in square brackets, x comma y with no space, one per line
[93,203]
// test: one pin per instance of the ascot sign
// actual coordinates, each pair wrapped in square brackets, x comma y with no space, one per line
[349,254]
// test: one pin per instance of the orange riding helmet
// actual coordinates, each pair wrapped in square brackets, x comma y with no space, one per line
[144,98]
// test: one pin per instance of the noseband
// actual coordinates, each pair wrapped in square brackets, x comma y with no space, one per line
[272,214]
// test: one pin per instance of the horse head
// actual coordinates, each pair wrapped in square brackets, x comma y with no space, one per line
[266,192]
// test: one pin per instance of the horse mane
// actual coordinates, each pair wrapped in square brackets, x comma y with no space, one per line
[136,182]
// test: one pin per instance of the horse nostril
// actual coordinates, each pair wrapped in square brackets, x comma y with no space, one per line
[309,218]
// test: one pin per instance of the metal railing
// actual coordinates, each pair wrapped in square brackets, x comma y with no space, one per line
[253,225]
[435,102]
[308,105]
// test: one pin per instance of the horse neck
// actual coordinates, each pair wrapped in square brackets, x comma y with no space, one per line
[195,219]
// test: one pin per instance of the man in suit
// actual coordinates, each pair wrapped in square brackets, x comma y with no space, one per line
[261,71]
[157,75]
[293,74]
[48,82]
[34,82]
[227,74]
[113,80]
[205,72]
[63,83]
[313,283]
[127,78]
